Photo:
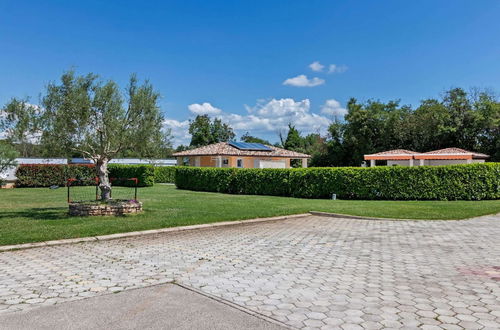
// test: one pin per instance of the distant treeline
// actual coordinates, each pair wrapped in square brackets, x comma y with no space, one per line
[457,119]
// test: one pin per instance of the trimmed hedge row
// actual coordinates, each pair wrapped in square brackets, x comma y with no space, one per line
[47,175]
[145,174]
[452,182]
[165,174]
[37,175]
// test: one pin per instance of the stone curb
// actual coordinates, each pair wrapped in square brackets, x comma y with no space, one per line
[145,232]
[346,216]
[235,306]
[358,217]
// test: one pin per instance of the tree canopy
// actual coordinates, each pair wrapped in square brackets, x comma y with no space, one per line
[253,139]
[458,119]
[85,116]
[205,131]
[19,123]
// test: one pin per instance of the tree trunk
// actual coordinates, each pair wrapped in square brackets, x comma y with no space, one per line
[102,173]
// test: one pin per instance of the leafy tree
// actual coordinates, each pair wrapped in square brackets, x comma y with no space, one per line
[458,119]
[313,144]
[19,122]
[204,131]
[221,132]
[201,131]
[7,157]
[86,116]
[253,139]
[293,140]
[181,148]
[487,108]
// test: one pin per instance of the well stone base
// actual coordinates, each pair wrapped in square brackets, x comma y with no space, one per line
[110,208]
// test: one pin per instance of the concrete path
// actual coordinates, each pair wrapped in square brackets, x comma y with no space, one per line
[311,272]
[158,307]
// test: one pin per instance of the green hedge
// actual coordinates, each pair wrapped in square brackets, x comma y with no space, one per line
[165,174]
[452,182]
[37,175]
[145,174]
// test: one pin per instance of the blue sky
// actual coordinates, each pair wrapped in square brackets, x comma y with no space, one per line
[231,58]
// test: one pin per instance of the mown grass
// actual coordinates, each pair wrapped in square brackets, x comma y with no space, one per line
[40,214]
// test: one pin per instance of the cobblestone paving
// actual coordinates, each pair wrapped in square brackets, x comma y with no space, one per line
[311,272]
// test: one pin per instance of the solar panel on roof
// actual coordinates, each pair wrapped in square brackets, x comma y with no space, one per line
[250,146]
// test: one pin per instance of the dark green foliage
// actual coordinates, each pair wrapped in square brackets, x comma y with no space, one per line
[49,175]
[204,131]
[253,139]
[458,119]
[118,173]
[165,174]
[453,182]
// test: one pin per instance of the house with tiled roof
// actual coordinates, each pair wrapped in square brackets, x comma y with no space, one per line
[447,156]
[239,154]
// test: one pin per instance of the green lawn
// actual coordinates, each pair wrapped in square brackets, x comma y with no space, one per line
[39,214]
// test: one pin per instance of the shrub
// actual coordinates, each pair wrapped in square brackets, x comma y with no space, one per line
[165,174]
[41,175]
[144,173]
[37,175]
[452,182]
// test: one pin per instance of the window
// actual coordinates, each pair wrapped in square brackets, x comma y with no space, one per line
[239,163]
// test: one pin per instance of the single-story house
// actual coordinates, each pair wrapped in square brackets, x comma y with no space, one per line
[447,156]
[239,154]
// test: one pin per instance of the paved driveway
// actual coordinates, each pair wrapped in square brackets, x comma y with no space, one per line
[306,272]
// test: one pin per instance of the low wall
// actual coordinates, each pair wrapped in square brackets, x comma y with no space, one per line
[98,209]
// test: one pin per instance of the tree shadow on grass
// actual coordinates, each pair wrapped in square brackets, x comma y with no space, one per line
[42,213]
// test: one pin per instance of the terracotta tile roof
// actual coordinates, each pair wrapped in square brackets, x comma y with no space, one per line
[395,152]
[456,151]
[225,149]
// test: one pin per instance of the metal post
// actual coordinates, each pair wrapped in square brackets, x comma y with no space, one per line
[67,184]
[96,188]
[135,193]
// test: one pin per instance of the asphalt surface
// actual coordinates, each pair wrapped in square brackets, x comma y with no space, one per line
[159,307]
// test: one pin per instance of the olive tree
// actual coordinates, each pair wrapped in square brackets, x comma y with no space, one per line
[7,158]
[83,115]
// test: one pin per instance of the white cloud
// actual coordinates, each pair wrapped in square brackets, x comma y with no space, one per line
[265,119]
[179,130]
[274,115]
[303,81]
[333,107]
[316,66]
[204,108]
[334,68]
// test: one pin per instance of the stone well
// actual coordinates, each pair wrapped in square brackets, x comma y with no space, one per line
[112,207]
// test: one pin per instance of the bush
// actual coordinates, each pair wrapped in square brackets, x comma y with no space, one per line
[144,173]
[165,174]
[41,175]
[452,182]
[37,175]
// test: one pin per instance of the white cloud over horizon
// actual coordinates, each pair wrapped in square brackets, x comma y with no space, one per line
[334,108]
[316,66]
[303,81]
[267,118]
[203,109]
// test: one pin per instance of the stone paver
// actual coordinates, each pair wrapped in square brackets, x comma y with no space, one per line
[314,272]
